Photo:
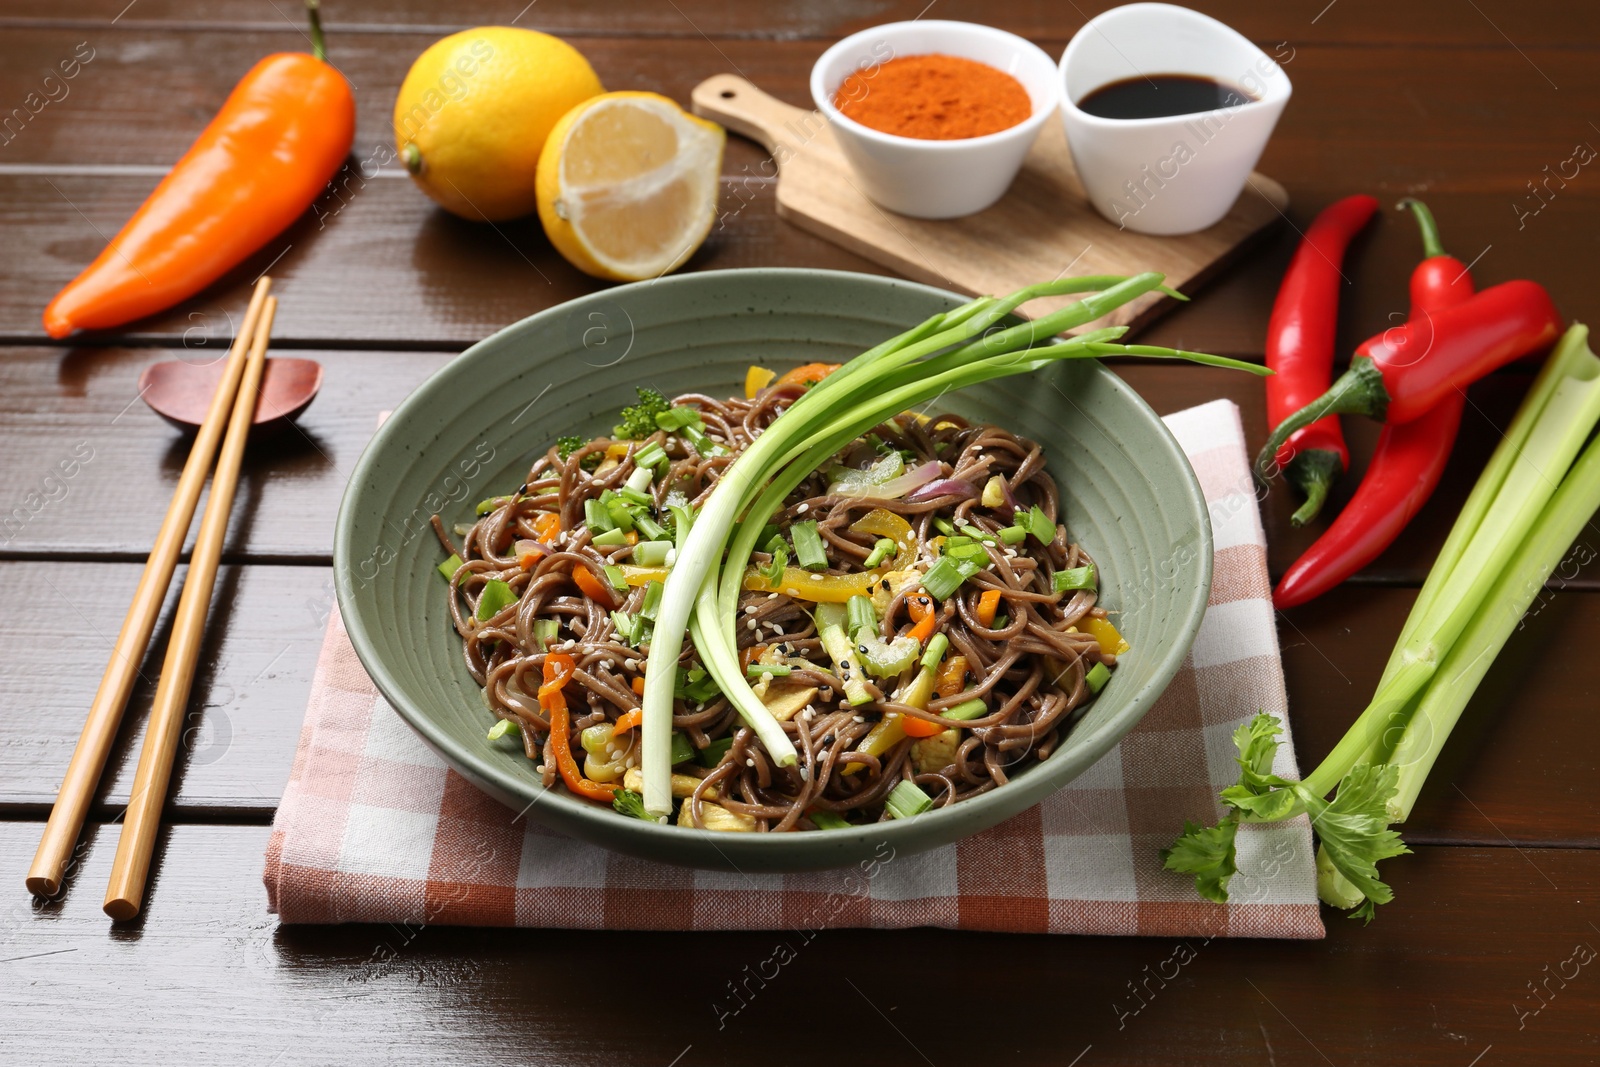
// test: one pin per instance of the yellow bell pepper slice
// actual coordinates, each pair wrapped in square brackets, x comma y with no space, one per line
[757,379]
[637,576]
[881,522]
[818,588]
[1111,642]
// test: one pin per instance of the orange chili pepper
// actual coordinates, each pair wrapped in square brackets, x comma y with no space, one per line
[628,719]
[638,687]
[807,373]
[927,619]
[283,132]
[596,589]
[988,605]
[558,668]
[750,655]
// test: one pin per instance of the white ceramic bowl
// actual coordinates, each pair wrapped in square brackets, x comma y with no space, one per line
[935,179]
[1167,175]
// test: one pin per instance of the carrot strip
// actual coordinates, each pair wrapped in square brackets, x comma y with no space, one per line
[807,373]
[558,668]
[638,687]
[921,609]
[988,605]
[628,719]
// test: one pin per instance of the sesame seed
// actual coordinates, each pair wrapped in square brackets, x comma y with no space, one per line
[792,592]
[802,509]
[749,762]
[751,624]
[772,596]
[750,609]
[816,577]
[859,718]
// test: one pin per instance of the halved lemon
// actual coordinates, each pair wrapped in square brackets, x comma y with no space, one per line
[627,185]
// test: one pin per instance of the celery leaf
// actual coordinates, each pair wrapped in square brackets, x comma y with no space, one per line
[1208,854]
[1354,829]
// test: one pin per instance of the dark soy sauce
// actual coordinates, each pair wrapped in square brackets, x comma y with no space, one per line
[1159,96]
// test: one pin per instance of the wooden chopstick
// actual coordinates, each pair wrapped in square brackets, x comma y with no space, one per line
[105,713]
[131,867]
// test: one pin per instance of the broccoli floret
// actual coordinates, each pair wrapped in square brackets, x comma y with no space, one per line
[639,420]
[566,446]
[627,802]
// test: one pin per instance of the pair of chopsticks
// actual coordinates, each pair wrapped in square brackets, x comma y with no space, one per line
[227,420]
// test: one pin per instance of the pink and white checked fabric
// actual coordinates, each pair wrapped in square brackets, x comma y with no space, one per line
[375,828]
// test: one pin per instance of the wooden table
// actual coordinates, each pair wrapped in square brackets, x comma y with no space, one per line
[1464,101]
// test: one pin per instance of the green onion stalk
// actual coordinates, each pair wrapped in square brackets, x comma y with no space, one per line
[948,351]
[1538,491]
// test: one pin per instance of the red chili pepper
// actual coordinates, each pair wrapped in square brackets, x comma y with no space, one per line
[1404,372]
[284,131]
[1408,461]
[1300,339]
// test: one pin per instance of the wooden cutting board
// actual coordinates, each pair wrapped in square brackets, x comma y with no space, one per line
[1041,229]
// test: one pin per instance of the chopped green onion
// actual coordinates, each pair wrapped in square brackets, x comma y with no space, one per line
[700,687]
[651,553]
[937,644]
[615,575]
[652,600]
[629,627]
[596,517]
[677,418]
[906,800]
[972,551]
[610,539]
[544,632]
[497,596]
[702,444]
[1001,621]
[648,527]
[776,670]
[880,552]
[486,506]
[808,550]
[859,614]
[768,533]
[957,541]
[713,753]
[651,455]
[641,478]
[967,709]
[619,511]
[946,576]
[682,522]
[1097,677]
[449,567]
[682,750]
[975,533]
[1014,535]
[634,496]
[1076,578]
[502,727]
[944,525]
[1036,522]
[773,573]
[827,820]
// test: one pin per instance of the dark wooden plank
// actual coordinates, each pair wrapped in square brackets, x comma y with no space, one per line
[1432,22]
[1519,767]
[427,278]
[249,695]
[58,406]
[1438,979]
[84,439]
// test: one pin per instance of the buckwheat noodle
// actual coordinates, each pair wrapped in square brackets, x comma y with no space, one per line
[1031,670]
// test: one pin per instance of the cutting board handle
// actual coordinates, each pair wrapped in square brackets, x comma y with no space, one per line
[746,110]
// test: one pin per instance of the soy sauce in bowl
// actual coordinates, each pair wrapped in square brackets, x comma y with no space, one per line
[1159,96]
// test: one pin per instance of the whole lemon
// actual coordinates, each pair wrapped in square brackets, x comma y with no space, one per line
[474,111]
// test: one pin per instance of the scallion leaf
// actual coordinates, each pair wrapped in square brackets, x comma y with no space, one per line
[880,552]
[596,517]
[776,670]
[937,645]
[651,553]
[944,525]
[682,750]
[713,753]
[610,539]
[808,550]
[906,800]
[946,576]
[648,527]
[1076,578]
[827,820]
[1097,677]
[617,577]
[641,478]
[544,632]
[860,614]
[652,600]
[449,567]
[504,727]
[651,455]
[496,597]
[1014,535]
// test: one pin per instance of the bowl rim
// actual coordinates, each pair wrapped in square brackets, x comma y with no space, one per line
[1028,127]
[1024,791]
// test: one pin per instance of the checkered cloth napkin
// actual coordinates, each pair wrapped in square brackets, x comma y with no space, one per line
[375,828]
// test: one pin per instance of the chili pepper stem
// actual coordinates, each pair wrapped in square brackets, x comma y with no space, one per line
[1430,229]
[1358,391]
[319,44]
[1313,472]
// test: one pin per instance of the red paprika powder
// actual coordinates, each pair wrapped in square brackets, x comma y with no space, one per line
[934,97]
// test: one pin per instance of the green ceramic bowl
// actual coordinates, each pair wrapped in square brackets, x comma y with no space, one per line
[472,430]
